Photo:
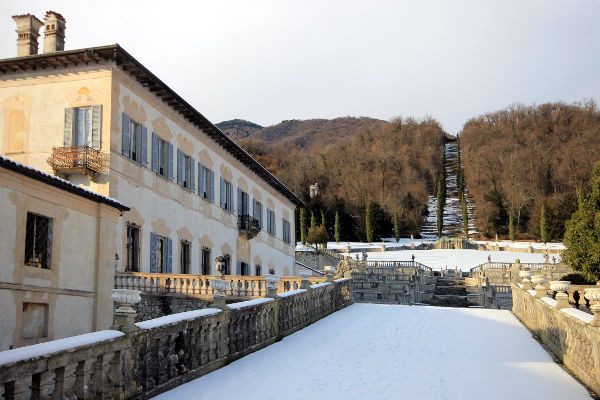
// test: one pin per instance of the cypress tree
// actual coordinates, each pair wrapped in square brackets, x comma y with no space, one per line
[440,206]
[582,235]
[369,224]
[396,227]
[336,229]
[303,225]
[313,220]
[511,227]
[543,227]
[323,219]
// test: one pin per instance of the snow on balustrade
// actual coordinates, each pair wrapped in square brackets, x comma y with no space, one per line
[173,318]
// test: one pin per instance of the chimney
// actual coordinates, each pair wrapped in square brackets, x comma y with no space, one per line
[28,27]
[54,33]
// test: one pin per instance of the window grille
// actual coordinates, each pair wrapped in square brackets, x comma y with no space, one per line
[38,241]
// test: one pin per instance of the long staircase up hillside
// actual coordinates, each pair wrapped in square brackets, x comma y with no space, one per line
[453,219]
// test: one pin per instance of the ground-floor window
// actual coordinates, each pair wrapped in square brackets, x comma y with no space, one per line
[185,257]
[205,261]
[133,248]
[161,249]
[258,270]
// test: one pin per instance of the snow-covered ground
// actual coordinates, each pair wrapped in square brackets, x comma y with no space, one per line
[372,351]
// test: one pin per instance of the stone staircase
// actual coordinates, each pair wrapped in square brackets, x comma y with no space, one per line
[449,292]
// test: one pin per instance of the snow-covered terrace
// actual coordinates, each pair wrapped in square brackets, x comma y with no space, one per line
[369,351]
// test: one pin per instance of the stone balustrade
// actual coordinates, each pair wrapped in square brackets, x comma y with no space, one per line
[242,287]
[570,338]
[168,351]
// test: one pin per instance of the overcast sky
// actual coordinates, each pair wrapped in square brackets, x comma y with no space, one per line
[268,61]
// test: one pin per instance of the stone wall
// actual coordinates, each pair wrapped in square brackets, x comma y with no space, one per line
[317,260]
[156,305]
[391,285]
[150,361]
[570,339]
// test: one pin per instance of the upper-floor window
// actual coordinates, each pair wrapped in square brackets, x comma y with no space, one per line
[38,241]
[133,248]
[185,257]
[162,156]
[161,249]
[258,270]
[243,200]
[185,170]
[226,198]
[205,261]
[206,182]
[134,140]
[286,231]
[271,222]
[257,212]
[83,126]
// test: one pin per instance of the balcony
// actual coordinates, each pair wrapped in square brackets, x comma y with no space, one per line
[248,226]
[78,160]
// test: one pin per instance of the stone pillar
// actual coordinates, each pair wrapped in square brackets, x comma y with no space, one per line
[593,295]
[124,316]
[562,295]
[538,281]
[329,273]
[305,283]
[272,282]
[514,271]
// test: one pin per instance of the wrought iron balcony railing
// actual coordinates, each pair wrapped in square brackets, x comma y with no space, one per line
[248,224]
[78,157]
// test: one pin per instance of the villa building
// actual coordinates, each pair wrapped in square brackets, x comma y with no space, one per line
[103,121]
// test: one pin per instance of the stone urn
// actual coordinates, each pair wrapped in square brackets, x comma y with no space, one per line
[526,281]
[538,281]
[124,316]
[593,295]
[329,271]
[220,286]
[562,296]
[305,274]
[272,281]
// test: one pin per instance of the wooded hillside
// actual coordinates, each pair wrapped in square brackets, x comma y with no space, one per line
[523,158]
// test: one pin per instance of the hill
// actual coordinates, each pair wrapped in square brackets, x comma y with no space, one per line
[238,128]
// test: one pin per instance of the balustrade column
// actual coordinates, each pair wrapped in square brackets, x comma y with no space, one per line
[59,383]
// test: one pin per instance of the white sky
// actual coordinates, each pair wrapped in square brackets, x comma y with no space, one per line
[267,61]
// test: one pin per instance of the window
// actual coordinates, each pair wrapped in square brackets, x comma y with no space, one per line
[286,231]
[206,183]
[82,126]
[257,212]
[160,254]
[35,320]
[243,268]
[134,140]
[206,270]
[185,257]
[162,157]
[133,247]
[226,265]
[257,270]
[38,241]
[226,197]
[185,171]
[271,222]
[243,200]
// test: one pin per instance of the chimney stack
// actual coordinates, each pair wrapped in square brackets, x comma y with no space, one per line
[28,27]
[54,33]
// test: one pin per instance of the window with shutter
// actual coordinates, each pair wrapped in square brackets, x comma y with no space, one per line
[212,186]
[170,162]
[125,141]
[68,133]
[134,140]
[202,181]
[97,126]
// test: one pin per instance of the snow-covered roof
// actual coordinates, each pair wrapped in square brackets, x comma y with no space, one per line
[60,183]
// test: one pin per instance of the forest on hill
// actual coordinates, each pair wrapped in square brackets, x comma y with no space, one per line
[528,164]
[391,167]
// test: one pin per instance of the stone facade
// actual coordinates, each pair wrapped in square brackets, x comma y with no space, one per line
[571,340]
[150,361]
[57,268]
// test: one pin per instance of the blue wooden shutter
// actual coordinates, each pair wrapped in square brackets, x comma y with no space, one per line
[269,230]
[192,176]
[155,149]
[239,201]
[170,166]
[212,186]
[274,220]
[222,192]
[231,206]
[153,261]
[68,133]
[169,256]
[260,214]
[97,126]
[201,181]
[238,268]
[254,209]
[283,228]
[125,135]
[179,167]
[144,146]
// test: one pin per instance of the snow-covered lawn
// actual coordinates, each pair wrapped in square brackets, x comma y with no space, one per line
[371,351]
[461,259]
